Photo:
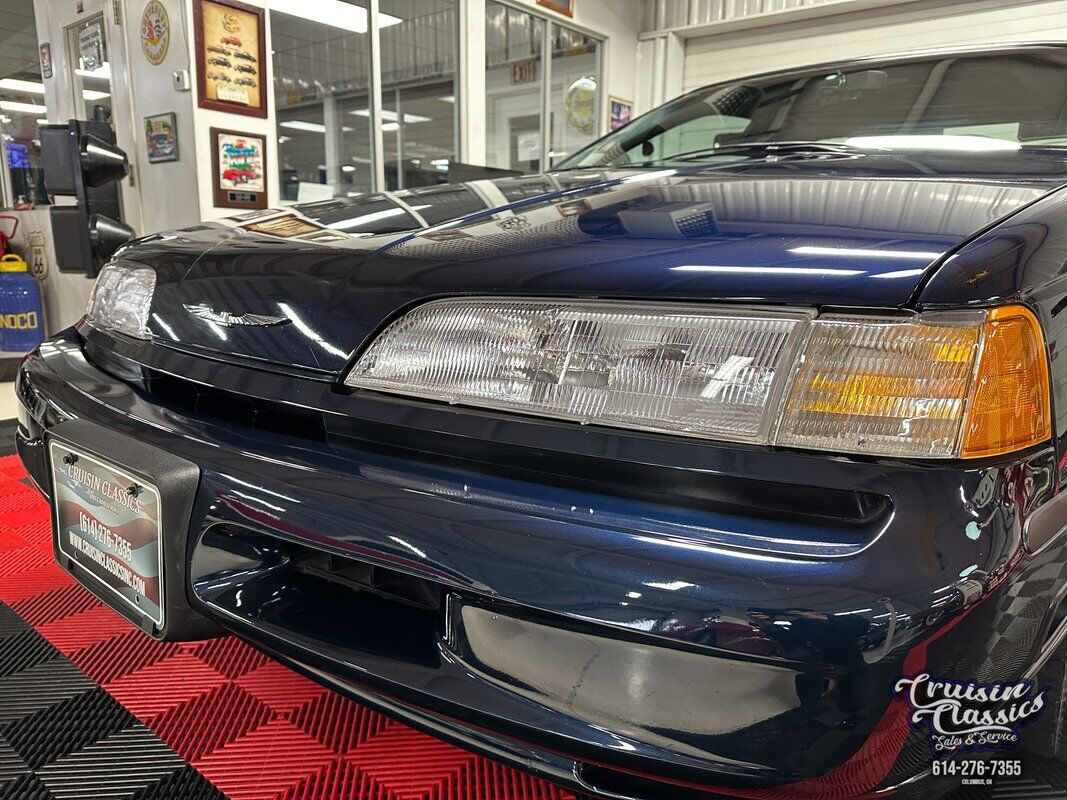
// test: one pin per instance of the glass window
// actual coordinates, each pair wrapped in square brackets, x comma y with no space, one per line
[91,70]
[22,106]
[513,87]
[575,100]
[321,79]
[356,170]
[321,69]
[418,90]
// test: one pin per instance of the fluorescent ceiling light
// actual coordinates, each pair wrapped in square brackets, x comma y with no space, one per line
[768,270]
[347,168]
[854,252]
[103,71]
[391,116]
[27,108]
[448,98]
[363,219]
[16,85]
[332,12]
[390,126]
[300,125]
[932,142]
[90,94]
[900,273]
[42,121]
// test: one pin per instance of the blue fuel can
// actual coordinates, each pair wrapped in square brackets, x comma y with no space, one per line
[21,318]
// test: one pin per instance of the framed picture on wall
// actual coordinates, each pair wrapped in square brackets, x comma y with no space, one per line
[238,169]
[231,72]
[622,111]
[559,6]
[161,137]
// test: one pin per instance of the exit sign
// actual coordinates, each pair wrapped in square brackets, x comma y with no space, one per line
[524,71]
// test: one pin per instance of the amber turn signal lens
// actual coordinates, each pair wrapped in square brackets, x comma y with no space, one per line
[1009,407]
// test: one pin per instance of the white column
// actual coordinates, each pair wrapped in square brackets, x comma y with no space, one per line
[546,96]
[673,66]
[332,121]
[377,148]
[470,82]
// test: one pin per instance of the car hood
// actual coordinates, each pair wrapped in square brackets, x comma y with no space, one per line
[702,235]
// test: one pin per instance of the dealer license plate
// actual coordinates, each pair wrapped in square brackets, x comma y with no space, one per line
[108,522]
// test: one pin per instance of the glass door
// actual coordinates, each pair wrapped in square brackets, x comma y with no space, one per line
[92,82]
[90,69]
[542,83]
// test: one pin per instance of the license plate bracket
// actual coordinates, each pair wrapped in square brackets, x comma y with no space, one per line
[108,521]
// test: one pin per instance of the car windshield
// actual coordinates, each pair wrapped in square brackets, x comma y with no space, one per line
[960,102]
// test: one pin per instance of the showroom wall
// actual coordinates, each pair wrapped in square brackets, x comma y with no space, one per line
[717,40]
[155,195]
[159,195]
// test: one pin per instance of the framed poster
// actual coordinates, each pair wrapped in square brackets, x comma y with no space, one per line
[161,137]
[155,32]
[622,111]
[560,6]
[238,169]
[231,72]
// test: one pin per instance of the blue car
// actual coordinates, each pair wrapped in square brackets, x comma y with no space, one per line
[722,460]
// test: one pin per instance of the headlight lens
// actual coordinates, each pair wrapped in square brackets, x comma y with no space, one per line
[121,299]
[936,385]
[690,370]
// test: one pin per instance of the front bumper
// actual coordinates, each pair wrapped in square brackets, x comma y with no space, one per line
[589,636]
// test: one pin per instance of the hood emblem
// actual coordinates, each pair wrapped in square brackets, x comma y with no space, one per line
[227,319]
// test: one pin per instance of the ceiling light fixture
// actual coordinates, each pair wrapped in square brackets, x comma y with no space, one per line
[27,108]
[16,85]
[300,125]
[391,116]
[332,12]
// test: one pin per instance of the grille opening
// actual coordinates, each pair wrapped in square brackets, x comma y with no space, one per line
[364,577]
[262,415]
[331,604]
[855,513]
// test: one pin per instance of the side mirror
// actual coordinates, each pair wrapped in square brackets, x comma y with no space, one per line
[82,161]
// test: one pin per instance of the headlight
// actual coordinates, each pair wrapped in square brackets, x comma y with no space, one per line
[936,385]
[121,299]
[674,369]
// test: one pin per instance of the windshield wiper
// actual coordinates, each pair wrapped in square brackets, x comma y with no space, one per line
[771,148]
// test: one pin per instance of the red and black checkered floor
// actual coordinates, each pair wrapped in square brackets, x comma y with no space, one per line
[92,708]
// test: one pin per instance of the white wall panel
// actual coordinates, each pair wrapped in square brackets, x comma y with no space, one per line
[927,24]
[666,14]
